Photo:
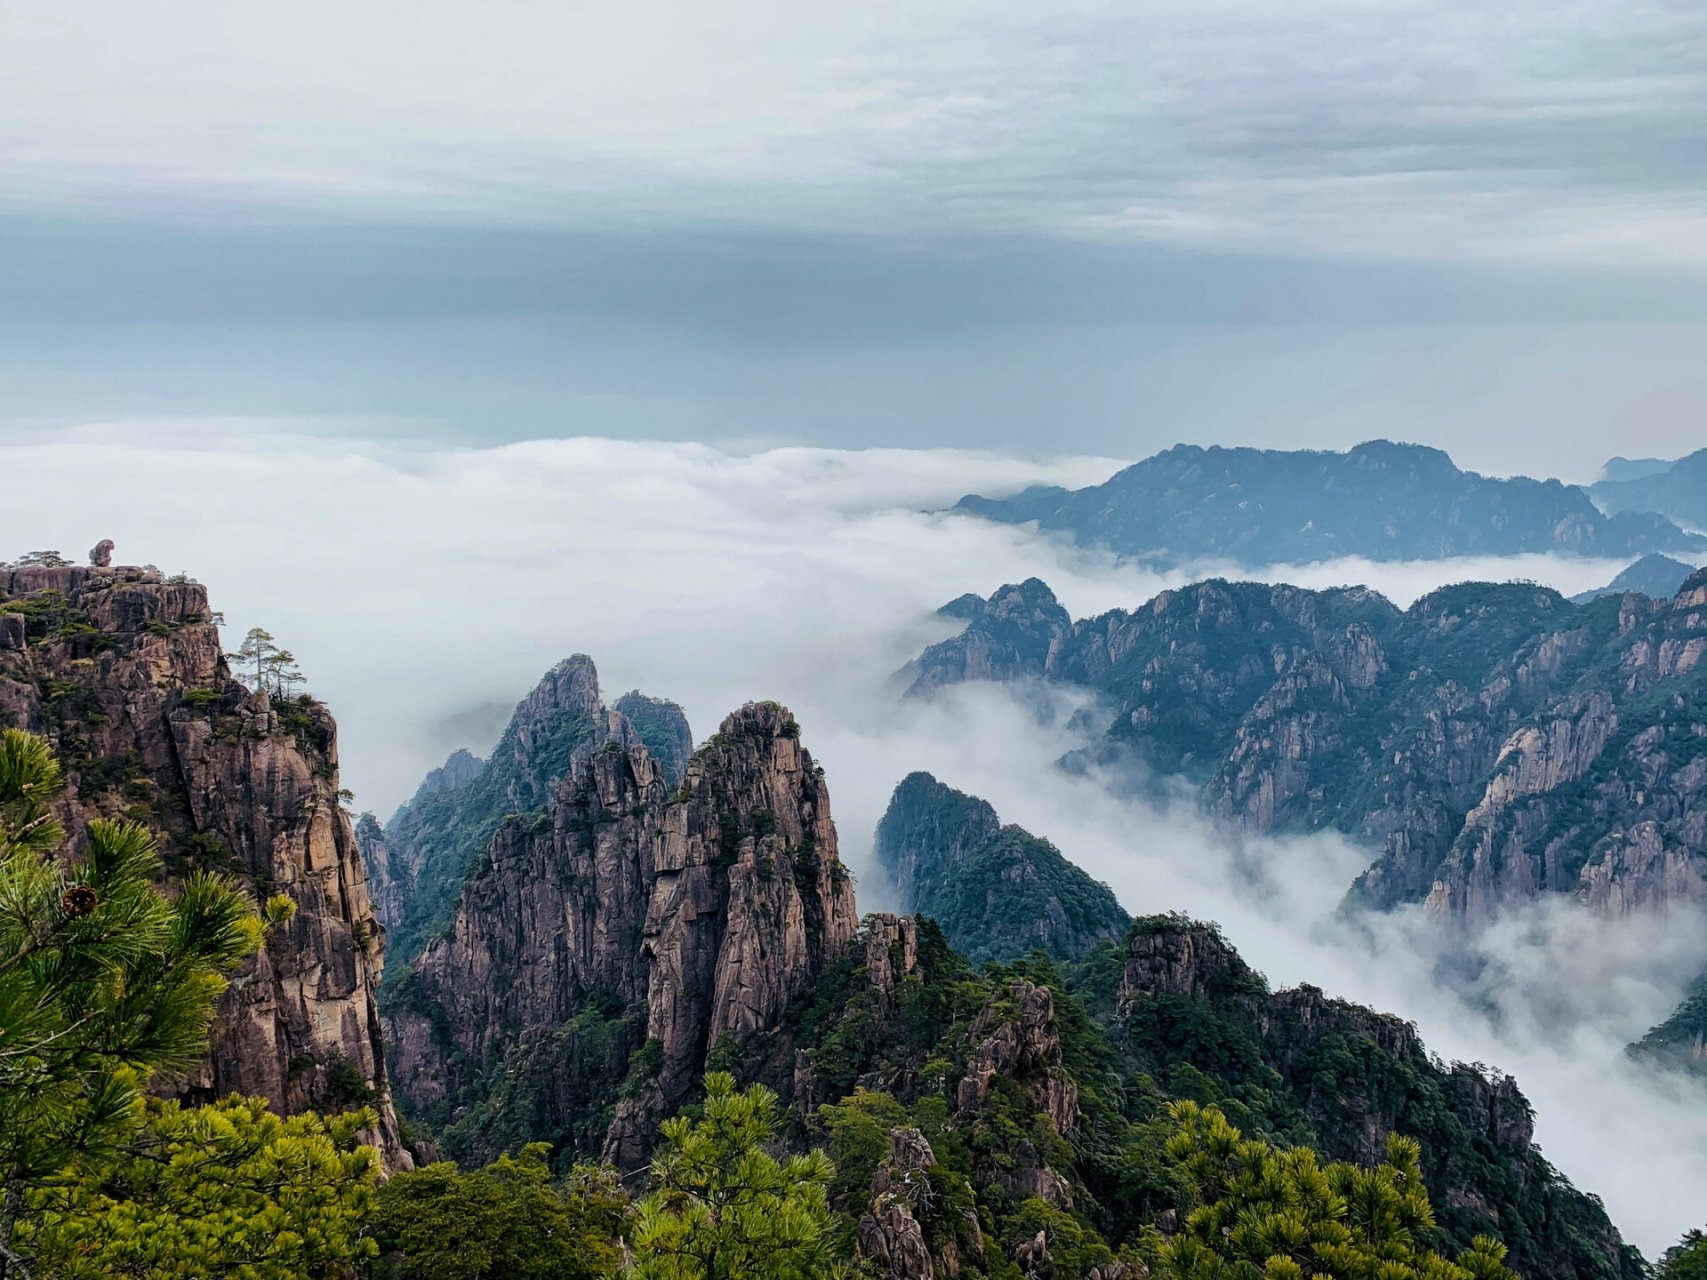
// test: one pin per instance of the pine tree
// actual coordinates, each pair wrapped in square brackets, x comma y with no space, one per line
[1271,1213]
[104,981]
[1685,1260]
[508,1221]
[725,1208]
[269,668]
[223,1192]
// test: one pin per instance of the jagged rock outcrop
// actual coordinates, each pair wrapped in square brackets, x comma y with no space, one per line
[1352,1076]
[1014,636]
[1379,500]
[890,1236]
[124,673]
[1489,743]
[460,768]
[998,892]
[430,843]
[1014,1038]
[603,948]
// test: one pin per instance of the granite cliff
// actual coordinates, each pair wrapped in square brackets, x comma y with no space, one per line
[124,673]
[418,860]
[604,948]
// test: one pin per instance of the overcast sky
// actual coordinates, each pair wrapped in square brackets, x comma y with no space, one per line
[1105,227]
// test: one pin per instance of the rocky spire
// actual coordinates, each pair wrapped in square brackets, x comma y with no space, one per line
[689,918]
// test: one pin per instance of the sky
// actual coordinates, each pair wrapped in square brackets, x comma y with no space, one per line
[1098,228]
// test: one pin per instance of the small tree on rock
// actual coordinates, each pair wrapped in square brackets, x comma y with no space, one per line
[270,669]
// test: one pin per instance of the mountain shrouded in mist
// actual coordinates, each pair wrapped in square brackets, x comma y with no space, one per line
[998,891]
[636,917]
[1378,501]
[419,858]
[1675,490]
[1653,575]
[1487,744]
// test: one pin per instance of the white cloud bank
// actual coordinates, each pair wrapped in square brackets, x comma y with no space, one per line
[417,582]
[425,589]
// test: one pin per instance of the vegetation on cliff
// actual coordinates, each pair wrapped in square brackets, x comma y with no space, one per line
[998,892]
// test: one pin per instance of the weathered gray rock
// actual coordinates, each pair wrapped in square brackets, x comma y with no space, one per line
[125,675]
[889,1235]
[691,916]
[1490,743]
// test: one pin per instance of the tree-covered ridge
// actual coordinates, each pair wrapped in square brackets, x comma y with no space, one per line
[1681,1040]
[1379,500]
[998,892]
[1043,1096]
[1016,1121]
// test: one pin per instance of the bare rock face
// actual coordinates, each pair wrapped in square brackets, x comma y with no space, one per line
[890,1235]
[889,945]
[748,902]
[124,674]
[602,949]
[432,842]
[1014,1037]
[101,554]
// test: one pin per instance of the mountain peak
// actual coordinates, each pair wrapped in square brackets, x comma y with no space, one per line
[997,891]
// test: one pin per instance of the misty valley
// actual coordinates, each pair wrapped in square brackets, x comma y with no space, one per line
[1242,929]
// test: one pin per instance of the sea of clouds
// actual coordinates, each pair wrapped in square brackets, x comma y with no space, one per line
[425,587]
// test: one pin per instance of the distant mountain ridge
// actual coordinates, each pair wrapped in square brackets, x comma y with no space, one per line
[1676,490]
[1379,500]
[1660,577]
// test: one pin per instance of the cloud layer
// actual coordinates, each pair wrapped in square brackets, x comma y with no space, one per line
[417,582]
